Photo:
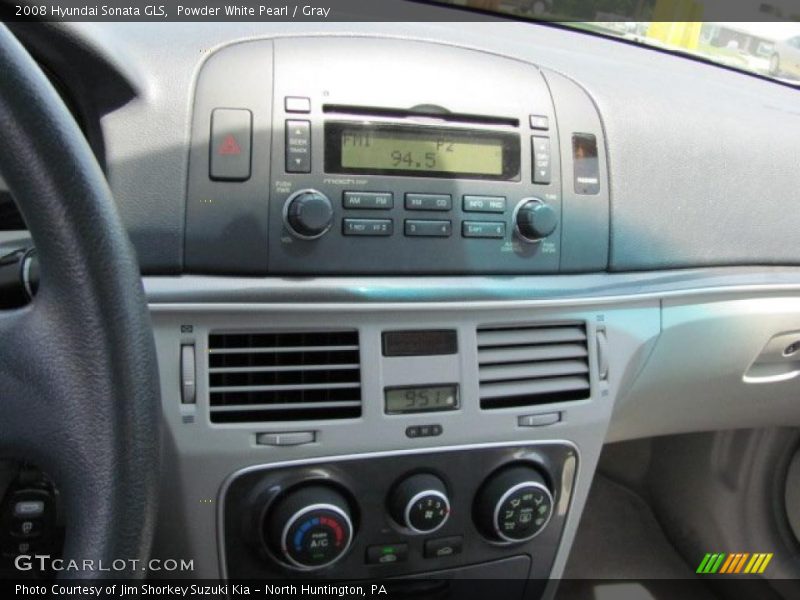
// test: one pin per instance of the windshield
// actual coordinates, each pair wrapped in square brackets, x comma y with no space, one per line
[769,48]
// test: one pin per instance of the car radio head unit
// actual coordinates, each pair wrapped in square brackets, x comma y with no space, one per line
[442,160]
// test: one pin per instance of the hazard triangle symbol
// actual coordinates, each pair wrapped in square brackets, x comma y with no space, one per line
[229,146]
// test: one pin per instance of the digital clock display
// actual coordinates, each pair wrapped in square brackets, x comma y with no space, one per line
[383,149]
[421,399]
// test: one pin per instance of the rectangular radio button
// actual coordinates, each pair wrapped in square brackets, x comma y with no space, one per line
[368,227]
[541,159]
[540,122]
[298,146]
[231,133]
[416,228]
[297,104]
[484,204]
[368,200]
[429,202]
[483,229]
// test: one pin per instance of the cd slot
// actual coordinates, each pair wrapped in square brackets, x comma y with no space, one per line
[426,110]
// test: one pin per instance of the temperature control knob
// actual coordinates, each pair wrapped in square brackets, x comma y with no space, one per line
[420,503]
[534,220]
[308,214]
[514,505]
[310,527]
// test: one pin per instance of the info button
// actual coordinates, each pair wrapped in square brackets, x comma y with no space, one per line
[484,204]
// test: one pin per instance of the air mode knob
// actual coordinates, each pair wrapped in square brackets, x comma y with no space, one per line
[308,214]
[309,528]
[513,505]
[534,220]
[420,503]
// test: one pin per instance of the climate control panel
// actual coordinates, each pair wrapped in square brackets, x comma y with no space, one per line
[400,514]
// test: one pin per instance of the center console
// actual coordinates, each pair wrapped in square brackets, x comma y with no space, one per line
[405,436]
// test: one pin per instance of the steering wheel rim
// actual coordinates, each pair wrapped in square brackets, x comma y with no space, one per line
[79,391]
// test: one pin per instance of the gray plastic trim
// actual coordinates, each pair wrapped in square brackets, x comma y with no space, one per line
[223,293]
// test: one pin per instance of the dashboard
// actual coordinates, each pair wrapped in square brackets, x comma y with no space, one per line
[407,279]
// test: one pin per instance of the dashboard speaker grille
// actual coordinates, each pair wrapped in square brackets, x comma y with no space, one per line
[284,376]
[530,365]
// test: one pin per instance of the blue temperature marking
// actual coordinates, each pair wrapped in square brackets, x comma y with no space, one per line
[301,531]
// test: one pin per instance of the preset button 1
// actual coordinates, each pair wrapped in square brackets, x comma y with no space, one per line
[367,227]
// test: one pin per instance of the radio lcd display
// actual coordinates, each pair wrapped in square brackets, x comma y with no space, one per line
[421,151]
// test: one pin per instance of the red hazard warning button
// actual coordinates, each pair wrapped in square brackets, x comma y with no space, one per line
[229,146]
[231,132]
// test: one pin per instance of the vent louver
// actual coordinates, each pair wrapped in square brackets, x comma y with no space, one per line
[529,365]
[286,376]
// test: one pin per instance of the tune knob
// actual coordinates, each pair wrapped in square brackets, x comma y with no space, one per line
[309,528]
[514,505]
[308,214]
[534,220]
[419,503]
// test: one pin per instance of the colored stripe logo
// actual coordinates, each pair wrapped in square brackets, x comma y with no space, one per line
[733,563]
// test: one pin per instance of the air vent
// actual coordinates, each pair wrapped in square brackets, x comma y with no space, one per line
[286,376]
[529,365]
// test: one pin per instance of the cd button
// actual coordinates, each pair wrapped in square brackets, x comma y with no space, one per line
[429,202]
[416,228]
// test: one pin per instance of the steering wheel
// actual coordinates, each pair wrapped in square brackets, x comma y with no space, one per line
[79,392]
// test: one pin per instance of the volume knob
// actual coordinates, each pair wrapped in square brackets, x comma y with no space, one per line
[534,220]
[308,214]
